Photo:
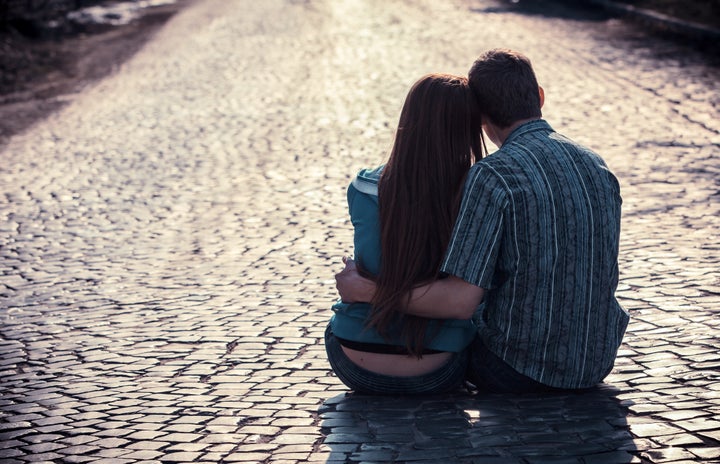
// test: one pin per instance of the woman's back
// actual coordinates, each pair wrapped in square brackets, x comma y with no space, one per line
[350,320]
[403,214]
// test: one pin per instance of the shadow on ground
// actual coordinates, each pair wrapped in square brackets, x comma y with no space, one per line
[693,24]
[39,75]
[588,427]
[548,9]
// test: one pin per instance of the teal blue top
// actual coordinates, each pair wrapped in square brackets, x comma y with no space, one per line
[348,322]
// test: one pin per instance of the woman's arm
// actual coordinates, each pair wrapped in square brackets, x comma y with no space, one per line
[450,298]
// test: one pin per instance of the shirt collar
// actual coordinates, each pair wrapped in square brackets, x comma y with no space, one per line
[530,126]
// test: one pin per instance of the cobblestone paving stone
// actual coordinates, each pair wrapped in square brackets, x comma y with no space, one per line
[168,243]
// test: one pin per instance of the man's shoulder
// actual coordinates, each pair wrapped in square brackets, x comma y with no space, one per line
[498,164]
[537,140]
[487,182]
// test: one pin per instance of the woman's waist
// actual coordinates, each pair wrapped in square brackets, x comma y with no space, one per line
[440,335]
[382,348]
[398,365]
[361,312]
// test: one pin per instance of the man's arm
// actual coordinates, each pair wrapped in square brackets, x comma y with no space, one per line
[449,298]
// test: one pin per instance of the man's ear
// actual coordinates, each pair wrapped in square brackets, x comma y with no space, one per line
[541,91]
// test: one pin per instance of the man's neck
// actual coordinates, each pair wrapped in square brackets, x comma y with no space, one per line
[501,134]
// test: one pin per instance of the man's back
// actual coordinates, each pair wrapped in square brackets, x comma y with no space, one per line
[539,228]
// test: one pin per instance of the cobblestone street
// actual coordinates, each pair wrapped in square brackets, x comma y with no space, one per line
[169,239]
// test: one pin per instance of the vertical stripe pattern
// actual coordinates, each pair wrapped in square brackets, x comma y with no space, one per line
[539,229]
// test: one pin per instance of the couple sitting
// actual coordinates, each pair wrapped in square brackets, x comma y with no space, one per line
[501,272]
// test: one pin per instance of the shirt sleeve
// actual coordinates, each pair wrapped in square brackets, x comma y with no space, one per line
[477,236]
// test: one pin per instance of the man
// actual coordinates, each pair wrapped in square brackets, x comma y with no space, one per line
[535,241]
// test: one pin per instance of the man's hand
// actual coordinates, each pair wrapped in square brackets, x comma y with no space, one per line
[352,287]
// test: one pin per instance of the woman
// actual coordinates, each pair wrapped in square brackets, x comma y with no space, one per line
[404,212]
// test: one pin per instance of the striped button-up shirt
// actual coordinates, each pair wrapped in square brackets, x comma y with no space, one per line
[539,229]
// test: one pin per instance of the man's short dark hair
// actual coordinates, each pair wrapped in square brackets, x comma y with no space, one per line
[505,86]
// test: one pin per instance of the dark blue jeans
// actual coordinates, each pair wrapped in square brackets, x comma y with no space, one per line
[446,379]
[490,374]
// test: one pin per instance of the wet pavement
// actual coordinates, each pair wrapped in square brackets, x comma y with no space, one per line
[169,239]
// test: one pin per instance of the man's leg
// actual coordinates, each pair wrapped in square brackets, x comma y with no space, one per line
[490,374]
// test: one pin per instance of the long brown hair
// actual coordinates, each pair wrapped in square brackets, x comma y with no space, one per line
[438,138]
